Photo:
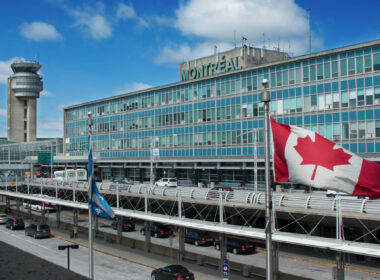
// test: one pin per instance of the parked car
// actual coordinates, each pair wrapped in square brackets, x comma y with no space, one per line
[166,182]
[37,231]
[175,272]
[127,224]
[3,218]
[199,238]
[15,223]
[332,193]
[123,181]
[237,246]
[222,188]
[158,230]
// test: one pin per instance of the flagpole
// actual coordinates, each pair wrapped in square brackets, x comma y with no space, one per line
[268,192]
[90,232]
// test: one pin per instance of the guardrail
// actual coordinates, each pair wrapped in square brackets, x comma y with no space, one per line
[288,200]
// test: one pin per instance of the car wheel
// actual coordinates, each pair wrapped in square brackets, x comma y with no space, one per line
[217,247]
[156,185]
[196,243]
[234,251]
[156,235]
[153,277]
[12,228]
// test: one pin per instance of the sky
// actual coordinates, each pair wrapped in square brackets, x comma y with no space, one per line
[96,49]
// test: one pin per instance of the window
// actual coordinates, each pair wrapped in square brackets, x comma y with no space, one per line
[351,66]
[360,97]
[345,131]
[320,72]
[376,62]
[353,130]
[298,75]
[361,129]
[353,98]
[343,67]
[377,93]
[369,96]
[359,65]
[279,78]
[291,77]
[336,100]
[334,66]
[344,98]
[273,80]
[312,73]
[321,102]
[377,128]
[285,77]
[327,70]
[306,74]
[368,63]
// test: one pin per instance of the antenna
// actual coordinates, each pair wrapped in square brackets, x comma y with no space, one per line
[263,40]
[38,57]
[309,11]
[215,49]
[235,38]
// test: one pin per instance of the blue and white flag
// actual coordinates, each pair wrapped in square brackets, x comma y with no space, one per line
[99,205]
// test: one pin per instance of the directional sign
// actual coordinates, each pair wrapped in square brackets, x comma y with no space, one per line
[225,268]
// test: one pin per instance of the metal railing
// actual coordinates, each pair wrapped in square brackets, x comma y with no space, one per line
[287,200]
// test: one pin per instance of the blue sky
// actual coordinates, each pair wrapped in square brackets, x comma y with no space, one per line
[95,49]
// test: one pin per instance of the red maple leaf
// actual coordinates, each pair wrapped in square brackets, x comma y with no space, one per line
[320,153]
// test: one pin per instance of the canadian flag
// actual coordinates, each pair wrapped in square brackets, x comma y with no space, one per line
[304,157]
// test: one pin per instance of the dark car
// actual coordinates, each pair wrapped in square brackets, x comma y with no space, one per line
[175,272]
[123,181]
[37,231]
[15,223]
[221,188]
[127,224]
[158,230]
[199,238]
[237,246]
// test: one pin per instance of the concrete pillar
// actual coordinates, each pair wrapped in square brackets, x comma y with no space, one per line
[18,201]
[43,218]
[196,176]
[223,250]
[181,243]
[75,217]
[147,236]
[32,173]
[275,264]
[58,215]
[29,210]
[219,175]
[141,175]
[245,177]
[339,266]
[119,230]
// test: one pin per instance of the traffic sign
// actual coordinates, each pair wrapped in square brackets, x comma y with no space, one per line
[225,268]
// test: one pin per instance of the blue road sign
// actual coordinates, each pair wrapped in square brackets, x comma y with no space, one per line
[225,267]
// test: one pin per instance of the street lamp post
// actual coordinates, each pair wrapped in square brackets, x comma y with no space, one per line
[265,98]
[152,157]
[64,247]
[90,230]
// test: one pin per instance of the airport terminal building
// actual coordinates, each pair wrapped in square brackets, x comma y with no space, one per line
[209,126]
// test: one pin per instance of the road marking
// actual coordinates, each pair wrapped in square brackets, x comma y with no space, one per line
[348,267]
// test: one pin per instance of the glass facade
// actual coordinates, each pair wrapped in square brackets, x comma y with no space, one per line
[336,94]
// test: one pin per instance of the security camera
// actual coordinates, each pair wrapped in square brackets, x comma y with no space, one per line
[89,114]
[265,82]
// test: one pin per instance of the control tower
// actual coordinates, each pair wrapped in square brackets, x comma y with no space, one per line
[24,87]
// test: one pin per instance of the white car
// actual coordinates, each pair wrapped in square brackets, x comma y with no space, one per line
[3,218]
[166,182]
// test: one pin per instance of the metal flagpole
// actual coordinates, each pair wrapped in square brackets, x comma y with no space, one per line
[90,231]
[268,192]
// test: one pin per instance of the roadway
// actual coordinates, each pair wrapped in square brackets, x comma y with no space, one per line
[293,260]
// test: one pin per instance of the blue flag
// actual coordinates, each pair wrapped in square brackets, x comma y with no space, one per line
[99,205]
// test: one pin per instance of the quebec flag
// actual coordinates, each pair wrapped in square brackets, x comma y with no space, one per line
[99,205]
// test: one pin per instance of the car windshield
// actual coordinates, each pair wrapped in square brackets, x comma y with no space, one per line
[44,227]
[172,180]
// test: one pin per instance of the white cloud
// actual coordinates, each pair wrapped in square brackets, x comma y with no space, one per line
[5,69]
[217,22]
[131,87]
[39,31]
[3,113]
[50,127]
[92,21]
[46,93]
[124,12]
[173,53]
